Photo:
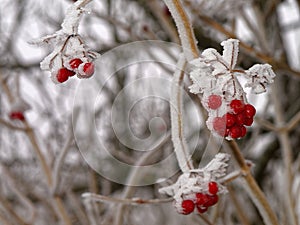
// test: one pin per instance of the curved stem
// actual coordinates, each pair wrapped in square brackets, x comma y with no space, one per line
[186,34]
[176,107]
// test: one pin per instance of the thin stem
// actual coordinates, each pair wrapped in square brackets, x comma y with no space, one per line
[286,151]
[102,198]
[255,193]
[184,27]
[176,107]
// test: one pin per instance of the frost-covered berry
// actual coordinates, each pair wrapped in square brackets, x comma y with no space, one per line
[188,206]
[17,116]
[240,118]
[249,110]
[237,106]
[201,209]
[248,121]
[201,198]
[230,119]
[243,131]
[212,200]
[74,63]
[213,188]
[235,131]
[219,125]
[214,101]
[63,74]
[89,69]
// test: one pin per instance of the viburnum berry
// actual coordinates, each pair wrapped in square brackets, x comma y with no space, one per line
[188,206]
[235,131]
[212,200]
[89,69]
[213,188]
[201,198]
[201,209]
[240,118]
[219,125]
[74,63]
[237,106]
[230,119]
[250,111]
[214,101]
[17,116]
[63,74]
[248,121]
[243,131]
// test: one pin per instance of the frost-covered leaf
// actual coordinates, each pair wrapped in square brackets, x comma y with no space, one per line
[230,52]
[259,77]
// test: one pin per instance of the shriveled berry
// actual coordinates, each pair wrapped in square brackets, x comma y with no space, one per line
[244,131]
[214,101]
[240,118]
[248,121]
[74,63]
[250,111]
[63,74]
[201,209]
[237,106]
[235,131]
[89,69]
[213,188]
[17,116]
[188,206]
[213,199]
[230,119]
[219,125]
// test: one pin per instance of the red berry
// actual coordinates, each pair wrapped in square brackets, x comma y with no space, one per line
[213,188]
[213,199]
[249,111]
[201,199]
[63,74]
[244,131]
[230,119]
[201,209]
[74,63]
[188,206]
[89,69]
[237,106]
[17,116]
[240,118]
[214,101]
[248,121]
[235,131]
[219,125]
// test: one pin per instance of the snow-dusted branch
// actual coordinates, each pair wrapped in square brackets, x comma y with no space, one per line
[176,108]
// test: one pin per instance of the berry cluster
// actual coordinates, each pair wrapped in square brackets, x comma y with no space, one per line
[202,201]
[76,65]
[17,115]
[232,124]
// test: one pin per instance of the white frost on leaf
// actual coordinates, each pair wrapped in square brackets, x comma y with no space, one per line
[231,51]
[259,77]
[196,181]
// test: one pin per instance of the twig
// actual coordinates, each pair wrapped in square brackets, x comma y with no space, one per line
[176,106]
[286,151]
[134,175]
[133,201]
[184,27]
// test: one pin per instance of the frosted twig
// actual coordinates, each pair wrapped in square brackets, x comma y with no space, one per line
[286,151]
[133,201]
[184,27]
[176,107]
[134,174]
